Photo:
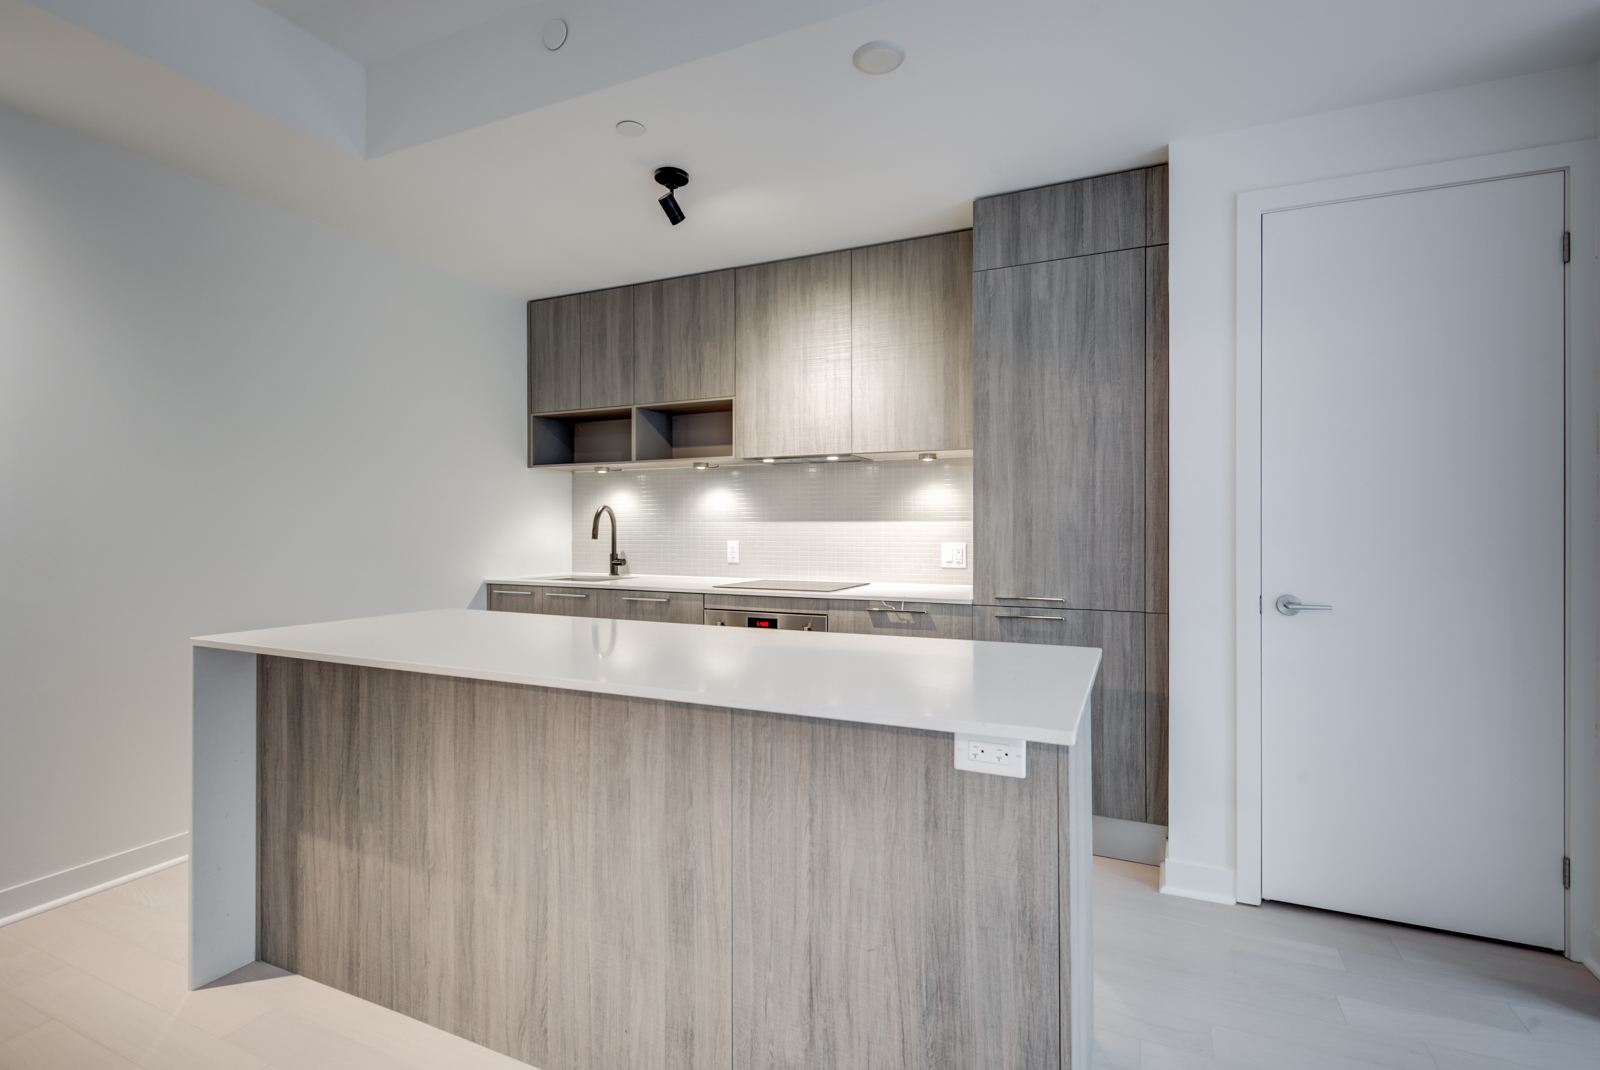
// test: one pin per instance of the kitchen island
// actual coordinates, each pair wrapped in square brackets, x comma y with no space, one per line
[595,843]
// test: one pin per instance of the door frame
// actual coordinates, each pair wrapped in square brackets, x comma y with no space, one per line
[1582,684]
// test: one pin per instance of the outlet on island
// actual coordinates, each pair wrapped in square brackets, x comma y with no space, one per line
[733,551]
[952,555]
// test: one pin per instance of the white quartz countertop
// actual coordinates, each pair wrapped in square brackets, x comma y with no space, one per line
[1007,690]
[709,585]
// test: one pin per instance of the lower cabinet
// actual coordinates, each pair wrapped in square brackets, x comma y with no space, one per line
[921,620]
[672,607]
[1129,701]
[508,599]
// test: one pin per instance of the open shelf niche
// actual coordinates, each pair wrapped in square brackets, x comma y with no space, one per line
[643,435]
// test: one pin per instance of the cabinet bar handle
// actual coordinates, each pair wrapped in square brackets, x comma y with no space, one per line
[626,598]
[499,591]
[563,594]
[1027,616]
[1026,598]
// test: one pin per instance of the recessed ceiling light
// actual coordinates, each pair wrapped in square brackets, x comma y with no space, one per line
[629,128]
[878,57]
[555,34]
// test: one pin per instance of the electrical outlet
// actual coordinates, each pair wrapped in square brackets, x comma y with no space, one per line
[733,551]
[985,754]
[952,555]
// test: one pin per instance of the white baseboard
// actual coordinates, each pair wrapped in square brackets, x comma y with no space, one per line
[36,896]
[1131,841]
[1195,881]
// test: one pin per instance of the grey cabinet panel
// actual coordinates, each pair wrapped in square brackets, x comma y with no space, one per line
[510,599]
[1156,420]
[684,333]
[673,607]
[911,352]
[890,910]
[1155,717]
[1059,432]
[571,601]
[1093,215]
[1118,700]
[606,328]
[793,357]
[554,354]
[926,620]
[420,848]
[1155,206]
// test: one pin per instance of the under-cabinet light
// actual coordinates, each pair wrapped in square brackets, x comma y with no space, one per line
[927,456]
[699,464]
[767,460]
[835,458]
[602,469]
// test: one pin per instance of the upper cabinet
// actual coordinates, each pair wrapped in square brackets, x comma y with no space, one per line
[1070,372]
[793,357]
[911,345]
[864,351]
[1095,215]
[553,364]
[605,355]
[580,351]
[684,338]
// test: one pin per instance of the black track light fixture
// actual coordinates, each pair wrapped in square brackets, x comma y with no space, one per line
[674,178]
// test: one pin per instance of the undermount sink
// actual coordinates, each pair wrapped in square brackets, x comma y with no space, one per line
[592,578]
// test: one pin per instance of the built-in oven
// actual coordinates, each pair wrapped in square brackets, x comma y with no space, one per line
[756,618]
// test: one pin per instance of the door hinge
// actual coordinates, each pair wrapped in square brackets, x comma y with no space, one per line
[1566,873]
[1566,247]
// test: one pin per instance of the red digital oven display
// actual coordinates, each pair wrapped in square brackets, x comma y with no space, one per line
[761,622]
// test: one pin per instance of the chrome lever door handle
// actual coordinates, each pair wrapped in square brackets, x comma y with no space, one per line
[1289,605]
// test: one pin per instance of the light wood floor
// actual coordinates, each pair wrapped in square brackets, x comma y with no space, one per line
[99,985]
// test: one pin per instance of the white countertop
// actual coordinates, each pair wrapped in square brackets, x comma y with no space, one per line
[709,585]
[1008,690]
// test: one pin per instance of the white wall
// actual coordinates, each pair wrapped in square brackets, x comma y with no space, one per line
[1206,175]
[214,416]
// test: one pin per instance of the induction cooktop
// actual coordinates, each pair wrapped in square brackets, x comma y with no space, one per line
[795,585]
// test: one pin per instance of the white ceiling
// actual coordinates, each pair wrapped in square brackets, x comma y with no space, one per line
[789,148]
[373,30]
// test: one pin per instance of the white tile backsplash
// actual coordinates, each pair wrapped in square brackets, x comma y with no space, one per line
[880,521]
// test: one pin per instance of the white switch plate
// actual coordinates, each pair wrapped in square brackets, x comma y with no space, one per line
[986,754]
[952,555]
[733,551]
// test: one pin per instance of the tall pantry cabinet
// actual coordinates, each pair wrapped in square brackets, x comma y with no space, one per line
[1070,454]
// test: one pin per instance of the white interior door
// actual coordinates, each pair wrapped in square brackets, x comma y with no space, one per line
[1412,479]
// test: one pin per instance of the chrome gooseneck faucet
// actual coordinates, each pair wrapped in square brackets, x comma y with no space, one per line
[594,533]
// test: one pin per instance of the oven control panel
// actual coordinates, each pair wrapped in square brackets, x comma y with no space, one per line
[756,618]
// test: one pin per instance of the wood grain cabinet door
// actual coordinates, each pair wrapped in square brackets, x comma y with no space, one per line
[1059,432]
[508,599]
[571,601]
[911,345]
[1119,700]
[925,620]
[794,357]
[554,356]
[1092,215]
[684,331]
[606,342]
[672,607]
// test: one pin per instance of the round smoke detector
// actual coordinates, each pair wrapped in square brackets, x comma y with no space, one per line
[555,34]
[629,128]
[878,57]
